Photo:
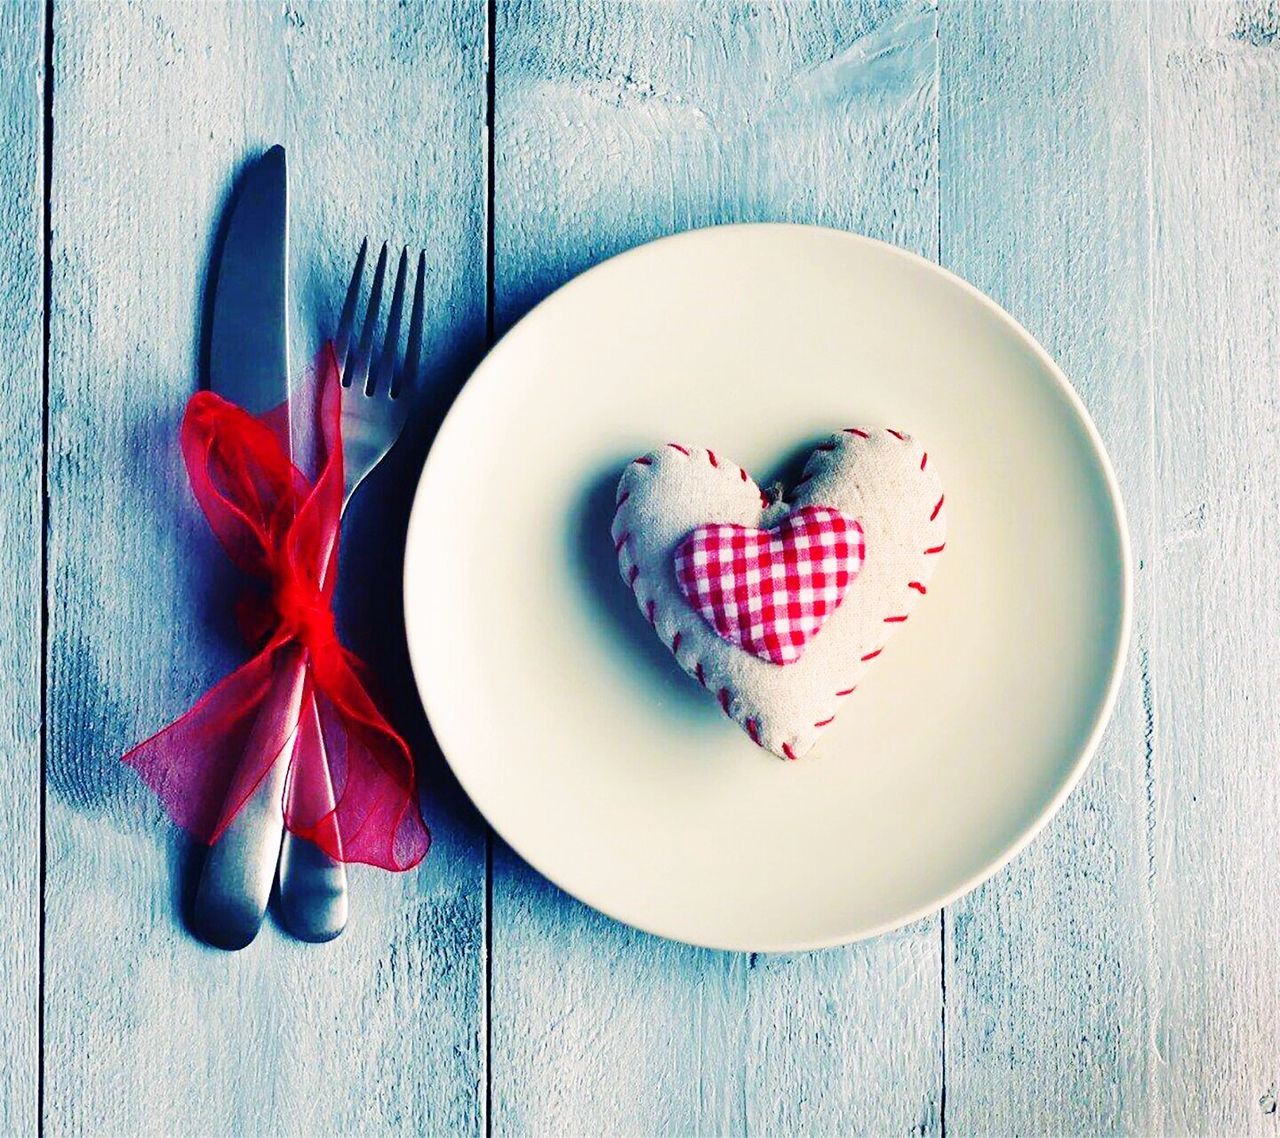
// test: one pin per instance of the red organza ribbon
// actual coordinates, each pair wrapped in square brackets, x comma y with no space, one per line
[351,786]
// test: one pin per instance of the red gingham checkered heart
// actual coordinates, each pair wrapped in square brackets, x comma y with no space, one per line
[769,591]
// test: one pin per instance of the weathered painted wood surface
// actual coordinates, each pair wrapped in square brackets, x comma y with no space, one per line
[147,1031]
[615,124]
[1215,674]
[1107,171]
[1045,164]
[22,336]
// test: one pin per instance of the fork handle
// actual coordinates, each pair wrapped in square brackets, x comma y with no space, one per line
[235,882]
[313,886]
[313,891]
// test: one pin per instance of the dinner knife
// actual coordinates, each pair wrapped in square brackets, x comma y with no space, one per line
[249,366]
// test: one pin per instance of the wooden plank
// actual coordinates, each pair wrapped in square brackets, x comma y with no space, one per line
[616,124]
[1215,678]
[157,103]
[21,427]
[1044,191]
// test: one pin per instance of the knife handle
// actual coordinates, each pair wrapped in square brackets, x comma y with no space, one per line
[313,887]
[235,882]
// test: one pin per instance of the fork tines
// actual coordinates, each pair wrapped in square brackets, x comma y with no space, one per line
[354,359]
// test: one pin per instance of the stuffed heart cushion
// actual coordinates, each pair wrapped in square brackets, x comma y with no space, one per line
[777,608]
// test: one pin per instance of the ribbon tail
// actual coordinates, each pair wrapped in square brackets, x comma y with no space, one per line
[207,763]
[375,817]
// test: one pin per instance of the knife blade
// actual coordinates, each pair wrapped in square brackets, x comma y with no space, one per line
[249,366]
[249,341]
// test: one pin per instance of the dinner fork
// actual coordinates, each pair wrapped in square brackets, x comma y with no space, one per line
[376,397]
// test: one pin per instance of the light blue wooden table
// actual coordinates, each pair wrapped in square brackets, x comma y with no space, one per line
[1108,172]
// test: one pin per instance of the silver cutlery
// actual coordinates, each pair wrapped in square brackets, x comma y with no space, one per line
[378,389]
[249,365]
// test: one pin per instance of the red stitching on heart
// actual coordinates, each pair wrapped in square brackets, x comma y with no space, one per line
[683,450]
[786,750]
[856,431]
[743,473]
[633,576]
[622,501]
[824,722]
[643,460]
[712,456]
[825,446]
[916,585]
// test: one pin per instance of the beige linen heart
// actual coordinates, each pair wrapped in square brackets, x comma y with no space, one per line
[879,477]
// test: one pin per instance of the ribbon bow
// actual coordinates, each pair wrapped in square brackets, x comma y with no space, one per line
[351,787]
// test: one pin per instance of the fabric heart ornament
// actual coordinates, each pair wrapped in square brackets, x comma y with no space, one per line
[778,607]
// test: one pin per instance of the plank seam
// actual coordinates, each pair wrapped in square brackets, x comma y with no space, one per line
[489,322]
[1143,636]
[942,915]
[489,117]
[937,139]
[942,973]
[46,305]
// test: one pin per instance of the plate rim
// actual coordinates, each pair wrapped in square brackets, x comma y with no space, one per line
[1115,666]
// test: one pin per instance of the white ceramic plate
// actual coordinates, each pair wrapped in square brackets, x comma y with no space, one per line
[571,727]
